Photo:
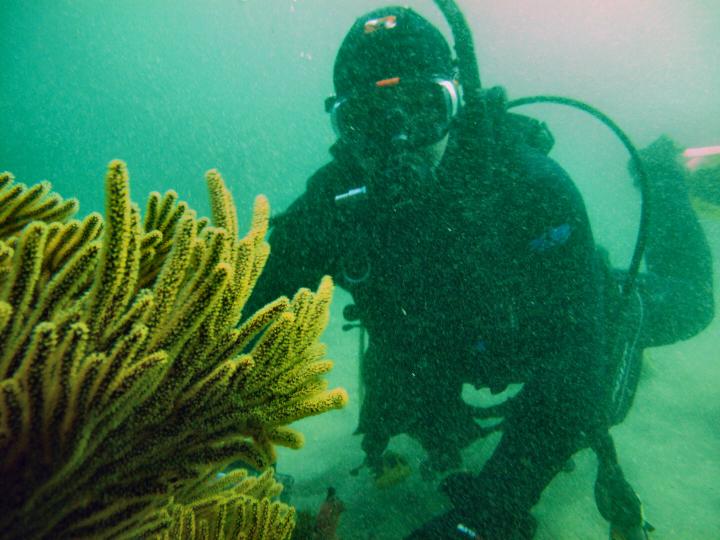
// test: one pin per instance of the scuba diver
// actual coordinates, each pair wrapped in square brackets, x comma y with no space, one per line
[470,259]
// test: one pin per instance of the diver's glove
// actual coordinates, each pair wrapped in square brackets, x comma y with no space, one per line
[460,524]
[473,516]
[619,504]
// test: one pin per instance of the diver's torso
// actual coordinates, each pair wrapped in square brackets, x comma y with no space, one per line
[434,282]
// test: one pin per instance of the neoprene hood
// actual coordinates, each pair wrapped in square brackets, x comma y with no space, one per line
[390,42]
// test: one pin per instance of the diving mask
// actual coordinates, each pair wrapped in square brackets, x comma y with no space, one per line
[396,113]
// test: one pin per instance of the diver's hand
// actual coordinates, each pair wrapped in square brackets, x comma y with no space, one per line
[662,162]
[665,174]
[662,153]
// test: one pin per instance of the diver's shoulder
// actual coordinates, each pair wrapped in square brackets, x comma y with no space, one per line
[326,179]
[539,167]
[324,175]
[542,175]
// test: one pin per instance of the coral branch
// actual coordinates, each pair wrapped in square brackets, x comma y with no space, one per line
[126,376]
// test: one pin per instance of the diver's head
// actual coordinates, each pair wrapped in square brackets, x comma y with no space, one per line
[395,87]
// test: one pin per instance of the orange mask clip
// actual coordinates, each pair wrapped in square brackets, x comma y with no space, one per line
[393,81]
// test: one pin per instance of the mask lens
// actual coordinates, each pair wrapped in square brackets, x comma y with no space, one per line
[416,113]
[429,107]
[366,116]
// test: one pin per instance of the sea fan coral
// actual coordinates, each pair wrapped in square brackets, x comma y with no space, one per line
[128,376]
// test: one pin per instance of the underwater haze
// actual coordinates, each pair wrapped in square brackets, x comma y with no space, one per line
[175,88]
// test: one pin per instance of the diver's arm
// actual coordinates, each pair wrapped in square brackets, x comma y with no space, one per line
[300,248]
[677,290]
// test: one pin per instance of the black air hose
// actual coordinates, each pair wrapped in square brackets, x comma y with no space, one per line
[472,94]
[465,51]
[643,179]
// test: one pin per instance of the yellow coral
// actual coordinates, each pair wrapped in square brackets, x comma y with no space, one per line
[20,205]
[235,507]
[125,369]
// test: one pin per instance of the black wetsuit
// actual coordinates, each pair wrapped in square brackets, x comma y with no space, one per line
[488,276]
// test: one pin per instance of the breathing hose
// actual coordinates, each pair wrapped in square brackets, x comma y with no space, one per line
[473,96]
[465,51]
[643,179]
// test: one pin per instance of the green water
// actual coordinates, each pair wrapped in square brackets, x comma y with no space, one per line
[176,88]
